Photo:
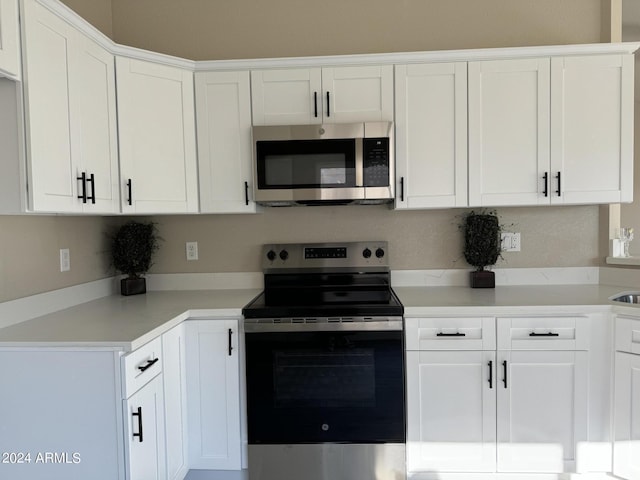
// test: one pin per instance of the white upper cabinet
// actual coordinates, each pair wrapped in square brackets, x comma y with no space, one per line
[223,113]
[9,39]
[592,129]
[431,135]
[70,116]
[156,126]
[322,95]
[508,131]
[551,131]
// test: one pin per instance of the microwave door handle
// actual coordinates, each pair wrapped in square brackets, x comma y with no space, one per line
[359,163]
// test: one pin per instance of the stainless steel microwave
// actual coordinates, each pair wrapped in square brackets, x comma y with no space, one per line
[323,164]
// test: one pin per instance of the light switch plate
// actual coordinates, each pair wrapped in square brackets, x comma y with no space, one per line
[65,260]
[510,242]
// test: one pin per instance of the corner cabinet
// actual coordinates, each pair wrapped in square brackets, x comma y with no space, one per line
[156,127]
[322,95]
[431,135]
[70,110]
[546,131]
[223,114]
[9,39]
[213,403]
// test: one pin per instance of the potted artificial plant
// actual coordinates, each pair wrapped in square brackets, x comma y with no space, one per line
[482,246]
[132,248]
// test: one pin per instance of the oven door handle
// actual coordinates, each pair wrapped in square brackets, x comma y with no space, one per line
[265,326]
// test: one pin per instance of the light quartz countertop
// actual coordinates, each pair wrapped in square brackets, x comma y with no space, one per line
[126,323]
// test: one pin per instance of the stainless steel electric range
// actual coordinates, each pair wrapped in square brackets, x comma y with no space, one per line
[325,365]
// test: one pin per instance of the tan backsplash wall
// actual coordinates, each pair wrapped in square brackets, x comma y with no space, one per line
[223,29]
[551,237]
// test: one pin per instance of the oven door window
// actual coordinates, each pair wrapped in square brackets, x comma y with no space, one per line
[312,387]
[306,164]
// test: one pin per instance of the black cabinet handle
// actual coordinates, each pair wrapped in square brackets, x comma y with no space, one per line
[230,346]
[328,105]
[490,373]
[139,415]
[315,104]
[402,189]
[149,364]
[130,195]
[546,184]
[558,191]
[504,372]
[83,179]
[92,181]
[457,334]
[549,334]
[246,193]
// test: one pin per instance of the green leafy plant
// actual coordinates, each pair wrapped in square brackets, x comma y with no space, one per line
[133,246]
[482,242]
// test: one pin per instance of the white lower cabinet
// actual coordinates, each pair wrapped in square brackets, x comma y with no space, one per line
[175,405]
[542,410]
[144,431]
[626,448]
[518,405]
[451,411]
[213,402]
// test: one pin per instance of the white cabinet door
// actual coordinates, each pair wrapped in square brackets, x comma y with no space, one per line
[431,135]
[52,168]
[509,132]
[92,83]
[156,126]
[592,129]
[175,405]
[223,108]
[9,39]
[357,94]
[213,387]
[542,409]
[451,411]
[331,95]
[144,432]
[287,96]
[626,448]
[71,117]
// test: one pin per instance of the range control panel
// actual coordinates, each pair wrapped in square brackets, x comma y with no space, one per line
[348,255]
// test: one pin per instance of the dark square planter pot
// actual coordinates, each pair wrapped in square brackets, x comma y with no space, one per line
[133,286]
[483,279]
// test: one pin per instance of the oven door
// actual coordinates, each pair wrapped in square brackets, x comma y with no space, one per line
[342,386]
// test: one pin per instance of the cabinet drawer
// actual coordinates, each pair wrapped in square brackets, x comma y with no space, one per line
[628,334]
[450,333]
[141,365]
[543,333]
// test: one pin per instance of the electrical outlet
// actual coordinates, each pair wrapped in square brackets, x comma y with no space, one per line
[65,260]
[192,250]
[510,242]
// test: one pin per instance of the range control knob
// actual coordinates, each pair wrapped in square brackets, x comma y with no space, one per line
[366,253]
[284,254]
[379,253]
[271,255]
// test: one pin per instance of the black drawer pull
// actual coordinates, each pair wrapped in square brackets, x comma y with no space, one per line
[549,334]
[328,105]
[149,364]
[559,191]
[546,184]
[139,415]
[315,104]
[402,189]
[130,191]
[457,334]
[230,346]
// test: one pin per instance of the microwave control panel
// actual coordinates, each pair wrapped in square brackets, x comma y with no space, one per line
[375,159]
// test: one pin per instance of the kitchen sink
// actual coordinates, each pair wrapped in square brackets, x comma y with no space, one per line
[626,297]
